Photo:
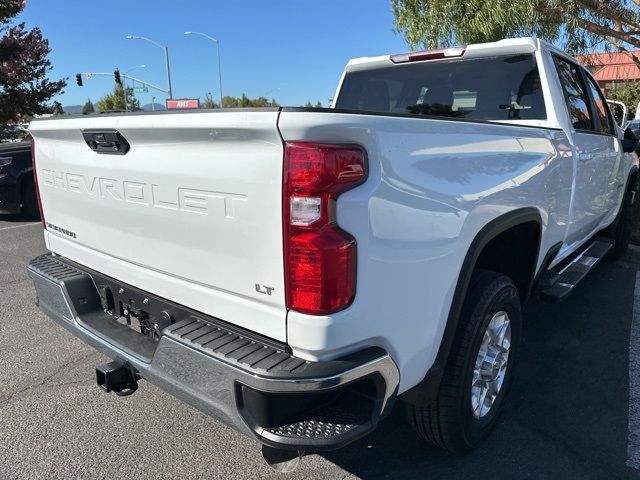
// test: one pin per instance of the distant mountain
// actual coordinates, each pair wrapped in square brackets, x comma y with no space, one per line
[72,109]
[150,107]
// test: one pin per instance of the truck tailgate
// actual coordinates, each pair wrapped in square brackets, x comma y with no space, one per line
[192,212]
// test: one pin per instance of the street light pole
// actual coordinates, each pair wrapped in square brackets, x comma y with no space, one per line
[166,58]
[217,42]
[166,61]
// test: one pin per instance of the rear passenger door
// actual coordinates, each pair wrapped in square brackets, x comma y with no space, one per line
[612,163]
[594,153]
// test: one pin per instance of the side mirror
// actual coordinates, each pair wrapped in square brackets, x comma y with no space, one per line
[619,112]
[630,141]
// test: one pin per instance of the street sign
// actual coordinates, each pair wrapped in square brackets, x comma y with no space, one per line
[183,103]
[140,89]
[89,75]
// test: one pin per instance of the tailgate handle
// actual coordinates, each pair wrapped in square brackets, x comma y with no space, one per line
[109,142]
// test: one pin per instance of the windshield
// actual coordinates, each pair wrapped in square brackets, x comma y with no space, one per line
[489,88]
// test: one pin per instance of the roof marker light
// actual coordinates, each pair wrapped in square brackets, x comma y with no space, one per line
[428,55]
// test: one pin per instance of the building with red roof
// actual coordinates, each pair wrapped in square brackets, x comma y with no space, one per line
[611,69]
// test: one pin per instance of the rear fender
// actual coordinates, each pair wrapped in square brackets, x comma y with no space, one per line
[428,387]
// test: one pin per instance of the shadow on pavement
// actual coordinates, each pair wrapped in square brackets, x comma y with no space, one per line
[568,411]
[16,217]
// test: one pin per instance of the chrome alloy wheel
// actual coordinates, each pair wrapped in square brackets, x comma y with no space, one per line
[491,364]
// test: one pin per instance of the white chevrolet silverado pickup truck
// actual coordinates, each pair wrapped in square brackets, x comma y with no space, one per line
[294,271]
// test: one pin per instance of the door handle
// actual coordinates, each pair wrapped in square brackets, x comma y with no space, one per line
[109,142]
[583,157]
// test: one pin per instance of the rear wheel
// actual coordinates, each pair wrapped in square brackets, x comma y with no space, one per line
[479,370]
[29,198]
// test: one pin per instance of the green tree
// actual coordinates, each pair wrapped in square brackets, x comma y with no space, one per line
[260,102]
[115,101]
[25,89]
[57,109]
[208,102]
[311,105]
[245,102]
[88,107]
[578,25]
[230,102]
[627,93]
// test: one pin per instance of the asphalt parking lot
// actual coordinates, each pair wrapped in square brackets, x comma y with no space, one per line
[570,415]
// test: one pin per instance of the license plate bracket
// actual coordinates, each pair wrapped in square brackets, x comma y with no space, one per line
[139,320]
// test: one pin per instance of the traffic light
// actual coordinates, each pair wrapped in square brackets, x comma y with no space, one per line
[79,79]
[116,75]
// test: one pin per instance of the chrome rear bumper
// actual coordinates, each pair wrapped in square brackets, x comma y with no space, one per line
[258,389]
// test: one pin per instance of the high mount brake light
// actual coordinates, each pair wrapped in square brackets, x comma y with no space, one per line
[428,55]
[35,181]
[320,257]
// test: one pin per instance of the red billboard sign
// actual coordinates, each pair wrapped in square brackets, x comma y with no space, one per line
[183,103]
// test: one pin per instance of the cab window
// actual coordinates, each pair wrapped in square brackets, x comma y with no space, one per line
[505,87]
[601,107]
[574,95]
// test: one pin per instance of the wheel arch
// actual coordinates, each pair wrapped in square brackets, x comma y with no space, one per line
[526,218]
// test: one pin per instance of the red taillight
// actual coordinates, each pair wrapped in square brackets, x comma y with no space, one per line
[35,181]
[320,257]
[428,55]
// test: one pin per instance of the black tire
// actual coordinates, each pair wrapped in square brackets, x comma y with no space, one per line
[448,420]
[622,228]
[29,198]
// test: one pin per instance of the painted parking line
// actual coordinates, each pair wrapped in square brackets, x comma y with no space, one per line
[20,226]
[633,446]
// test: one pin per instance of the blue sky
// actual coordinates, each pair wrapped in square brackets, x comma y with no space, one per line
[292,50]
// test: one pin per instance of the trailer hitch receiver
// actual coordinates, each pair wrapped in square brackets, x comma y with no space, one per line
[116,377]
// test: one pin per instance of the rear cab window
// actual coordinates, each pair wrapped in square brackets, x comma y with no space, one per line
[504,87]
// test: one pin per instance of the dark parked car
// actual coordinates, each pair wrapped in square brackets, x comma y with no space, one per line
[17,189]
[634,125]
